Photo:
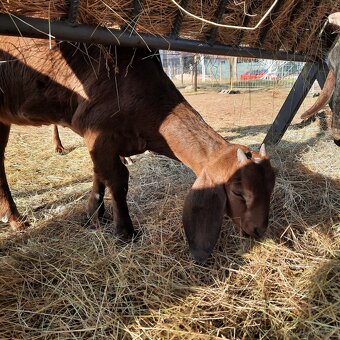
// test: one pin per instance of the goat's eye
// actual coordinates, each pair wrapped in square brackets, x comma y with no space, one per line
[239,195]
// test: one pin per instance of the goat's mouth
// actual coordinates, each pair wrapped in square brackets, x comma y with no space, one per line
[248,231]
[244,233]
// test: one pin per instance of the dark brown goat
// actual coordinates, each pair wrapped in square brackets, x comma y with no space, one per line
[122,103]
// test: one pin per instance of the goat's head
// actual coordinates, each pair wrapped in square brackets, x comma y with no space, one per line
[239,183]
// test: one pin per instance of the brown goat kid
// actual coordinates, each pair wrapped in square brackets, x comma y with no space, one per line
[123,103]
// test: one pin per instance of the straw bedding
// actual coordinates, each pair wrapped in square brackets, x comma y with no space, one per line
[292,25]
[65,278]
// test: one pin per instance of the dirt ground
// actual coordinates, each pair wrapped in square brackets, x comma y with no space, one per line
[235,110]
[225,112]
[249,108]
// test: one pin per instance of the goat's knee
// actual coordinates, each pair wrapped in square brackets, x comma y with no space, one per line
[95,205]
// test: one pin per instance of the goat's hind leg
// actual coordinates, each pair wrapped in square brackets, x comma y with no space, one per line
[8,209]
[58,146]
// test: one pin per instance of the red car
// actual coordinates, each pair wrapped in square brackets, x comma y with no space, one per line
[258,74]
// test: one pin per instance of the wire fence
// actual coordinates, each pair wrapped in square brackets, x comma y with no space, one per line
[229,72]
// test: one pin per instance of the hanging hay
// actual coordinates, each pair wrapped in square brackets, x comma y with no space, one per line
[199,29]
[291,26]
[64,278]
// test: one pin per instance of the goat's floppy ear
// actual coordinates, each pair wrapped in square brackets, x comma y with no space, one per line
[204,208]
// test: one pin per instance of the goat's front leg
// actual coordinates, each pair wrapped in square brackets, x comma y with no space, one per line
[8,209]
[110,172]
[118,186]
[95,205]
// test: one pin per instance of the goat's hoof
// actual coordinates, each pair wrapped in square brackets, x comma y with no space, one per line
[200,256]
[125,233]
[94,210]
[19,224]
[60,149]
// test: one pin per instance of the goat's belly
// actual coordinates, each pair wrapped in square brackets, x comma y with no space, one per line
[34,118]
[24,119]
[130,144]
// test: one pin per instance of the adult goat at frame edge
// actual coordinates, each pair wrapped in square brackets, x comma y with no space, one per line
[331,89]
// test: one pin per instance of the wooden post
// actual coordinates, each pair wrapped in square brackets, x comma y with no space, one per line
[203,68]
[230,74]
[181,66]
[234,68]
[195,73]
[232,71]
[220,71]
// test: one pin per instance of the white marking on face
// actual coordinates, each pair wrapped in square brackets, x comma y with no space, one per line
[97,196]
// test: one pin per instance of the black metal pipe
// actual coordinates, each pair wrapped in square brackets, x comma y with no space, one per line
[292,103]
[73,11]
[178,20]
[265,28]
[245,22]
[60,30]
[218,17]
[137,7]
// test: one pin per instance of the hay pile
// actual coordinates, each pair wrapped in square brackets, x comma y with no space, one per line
[293,25]
[64,278]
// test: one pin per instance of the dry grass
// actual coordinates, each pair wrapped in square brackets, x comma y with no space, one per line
[303,18]
[64,278]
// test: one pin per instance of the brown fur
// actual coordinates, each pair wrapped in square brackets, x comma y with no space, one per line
[122,103]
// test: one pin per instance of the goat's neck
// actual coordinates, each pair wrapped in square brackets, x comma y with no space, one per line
[190,138]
